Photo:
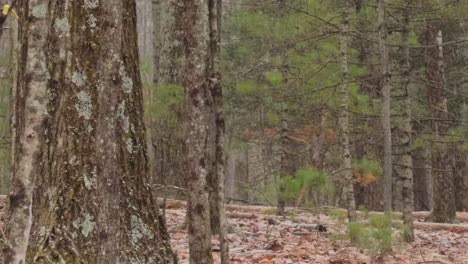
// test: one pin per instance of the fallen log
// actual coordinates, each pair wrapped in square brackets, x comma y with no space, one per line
[461,216]
[441,226]
[285,222]
[252,212]
[179,204]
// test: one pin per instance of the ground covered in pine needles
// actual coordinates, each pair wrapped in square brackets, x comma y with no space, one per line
[256,237]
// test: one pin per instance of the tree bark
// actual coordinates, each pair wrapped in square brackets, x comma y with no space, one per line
[144,27]
[166,130]
[348,187]
[79,124]
[193,21]
[168,55]
[27,137]
[403,160]
[443,184]
[458,169]
[386,89]
[217,210]
[286,163]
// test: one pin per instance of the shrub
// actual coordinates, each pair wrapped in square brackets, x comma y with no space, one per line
[376,235]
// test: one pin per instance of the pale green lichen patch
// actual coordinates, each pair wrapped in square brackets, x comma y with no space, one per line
[42,231]
[129,146]
[123,117]
[87,225]
[127,82]
[139,229]
[79,79]
[92,21]
[39,11]
[84,105]
[62,25]
[91,4]
[89,183]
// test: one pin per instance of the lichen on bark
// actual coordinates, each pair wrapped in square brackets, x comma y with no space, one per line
[92,202]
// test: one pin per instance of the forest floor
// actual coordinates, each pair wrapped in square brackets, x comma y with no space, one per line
[259,238]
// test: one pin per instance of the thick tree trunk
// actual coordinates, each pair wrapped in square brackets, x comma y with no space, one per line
[444,198]
[348,187]
[386,89]
[92,201]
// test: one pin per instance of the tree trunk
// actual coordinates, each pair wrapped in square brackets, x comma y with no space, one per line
[428,179]
[218,217]
[443,184]
[458,170]
[79,123]
[348,187]
[403,167]
[286,163]
[144,27]
[167,79]
[193,21]
[217,210]
[168,55]
[386,89]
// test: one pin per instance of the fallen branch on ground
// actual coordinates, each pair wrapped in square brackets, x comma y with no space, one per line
[252,212]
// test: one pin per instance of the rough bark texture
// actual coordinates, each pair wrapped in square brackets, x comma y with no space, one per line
[166,132]
[424,183]
[217,210]
[92,202]
[28,121]
[443,184]
[444,199]
[286,166]
[348,189]
[168,54]
[193,21]
[144,29]
[403,167]
[459,166]
[462,200]
[386,89]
